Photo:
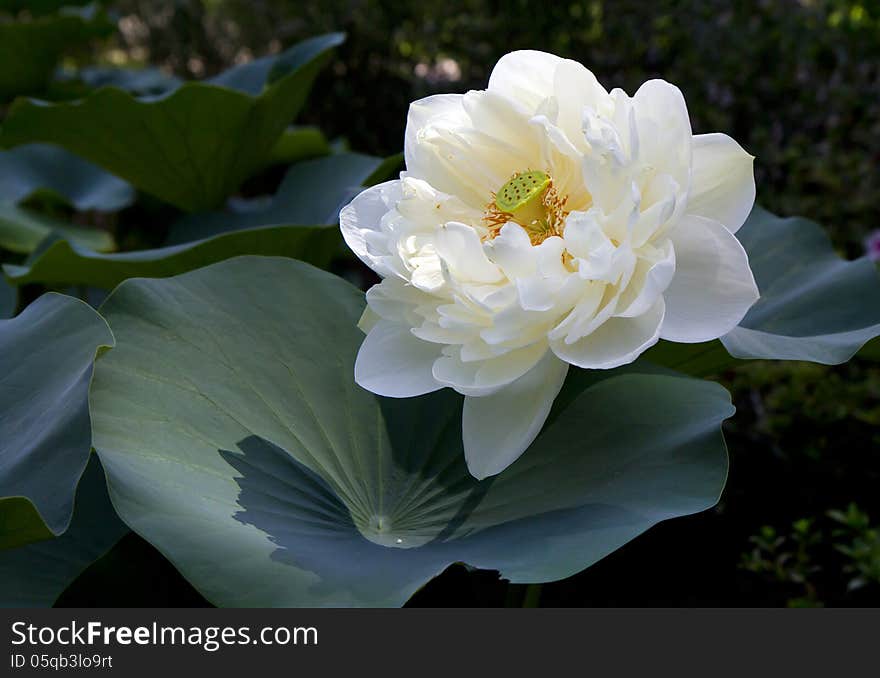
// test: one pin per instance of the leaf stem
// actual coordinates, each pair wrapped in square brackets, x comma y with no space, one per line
[532,597]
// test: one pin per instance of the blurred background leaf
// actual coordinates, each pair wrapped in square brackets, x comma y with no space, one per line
[22,230]
[191,148]
[65,263]
[311,192]
[30,49]
[33,168]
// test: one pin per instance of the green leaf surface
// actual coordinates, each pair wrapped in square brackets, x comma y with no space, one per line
[36,574]
[30,50]
[65,263]
[312,192]
[40,167]
[46,358]
[297,144]
[191,148]
[236,441]
[22,230]
[389,167]
[705,359]
[814,305]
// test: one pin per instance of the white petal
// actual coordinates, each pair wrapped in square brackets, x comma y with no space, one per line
[361,224]
[563,160]
[616,342]
[460,247]
[503,119]
[526,76]
[498,428]
[392,362]
[437,334]
[512,251]
[587,311]
[576,88]
[462,313]
[586,240]
[552,286]
[549,256]
[661,207]
[515,328]
[662,103]
[395,300]
[477,349]
[722,180]
[440,109]
[539,293]
[599,302]
[649,281]
[468,145]
[713,286]
[424,207]
[557,149]
[427,274]
[486,376]
[664,129]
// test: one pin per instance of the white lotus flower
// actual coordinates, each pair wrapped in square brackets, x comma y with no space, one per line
[542,223]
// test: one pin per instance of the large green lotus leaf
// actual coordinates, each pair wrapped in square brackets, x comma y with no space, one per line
[36,574]
[699,360]
[22,230]
[29,169]
[46,358]
[65,263]
[312,192]
[814,305]
[191,148]
[236,441]
[298,143]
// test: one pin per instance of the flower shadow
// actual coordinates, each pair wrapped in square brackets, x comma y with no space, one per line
[313,531]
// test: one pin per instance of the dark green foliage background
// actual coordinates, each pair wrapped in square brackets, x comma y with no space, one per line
[796,82]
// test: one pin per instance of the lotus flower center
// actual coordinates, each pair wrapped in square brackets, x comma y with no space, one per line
[530,200]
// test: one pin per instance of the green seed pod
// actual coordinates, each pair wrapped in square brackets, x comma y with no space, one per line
[522,190]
